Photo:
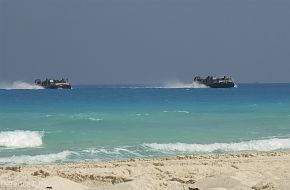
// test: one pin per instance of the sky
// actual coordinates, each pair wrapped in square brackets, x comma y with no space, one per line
[144,41]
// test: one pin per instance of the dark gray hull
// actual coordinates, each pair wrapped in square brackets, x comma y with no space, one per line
[57,87]
[221,85]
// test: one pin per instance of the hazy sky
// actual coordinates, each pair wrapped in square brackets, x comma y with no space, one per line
[144,41]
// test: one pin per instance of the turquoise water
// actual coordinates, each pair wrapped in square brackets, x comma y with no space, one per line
[120,122]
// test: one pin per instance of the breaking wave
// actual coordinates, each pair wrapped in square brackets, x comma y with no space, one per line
[145,151]
[17,85]
[20,139]
[37,159]
[253,145]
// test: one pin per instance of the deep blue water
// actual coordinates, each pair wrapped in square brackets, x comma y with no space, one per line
[119,122]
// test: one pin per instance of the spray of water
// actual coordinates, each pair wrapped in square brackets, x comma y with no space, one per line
[177,84]
[19,85]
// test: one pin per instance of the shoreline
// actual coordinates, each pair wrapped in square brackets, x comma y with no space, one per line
[246,170]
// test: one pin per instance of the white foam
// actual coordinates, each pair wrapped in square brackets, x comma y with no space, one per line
[117,151]
[87,116]
[20,139]
[178,111]
[91,151]
[95,119]
[37,159]
[142,114]
[183,111]
[253,145]
[19,85]
[99,151]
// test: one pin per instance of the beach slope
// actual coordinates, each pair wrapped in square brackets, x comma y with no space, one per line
[244,171]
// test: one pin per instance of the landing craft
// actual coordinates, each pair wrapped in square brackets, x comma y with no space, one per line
[213,82]
[53,84]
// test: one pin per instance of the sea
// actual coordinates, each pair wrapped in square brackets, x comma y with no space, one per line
[116,122]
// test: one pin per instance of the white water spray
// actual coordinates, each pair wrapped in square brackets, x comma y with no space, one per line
[184,85]
[16,85]
[20,139]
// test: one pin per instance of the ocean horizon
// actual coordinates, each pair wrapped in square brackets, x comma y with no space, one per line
[115,122]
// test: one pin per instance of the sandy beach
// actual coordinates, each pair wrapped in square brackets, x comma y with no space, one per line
[243,171]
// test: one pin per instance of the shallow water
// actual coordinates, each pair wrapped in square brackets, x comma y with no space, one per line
[119,122]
